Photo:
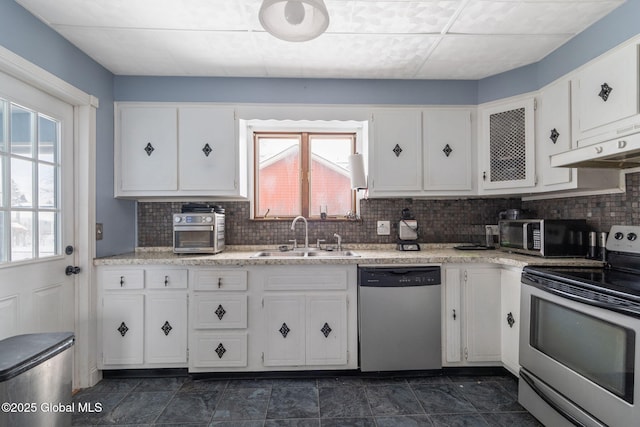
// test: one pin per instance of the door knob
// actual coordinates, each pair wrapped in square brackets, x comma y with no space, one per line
[71,270]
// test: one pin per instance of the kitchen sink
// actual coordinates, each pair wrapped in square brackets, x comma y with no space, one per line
[311,253]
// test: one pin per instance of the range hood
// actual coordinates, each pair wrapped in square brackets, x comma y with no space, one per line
[619,153]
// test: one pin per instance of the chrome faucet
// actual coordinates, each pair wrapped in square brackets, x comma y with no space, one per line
[337,236]
[306,229]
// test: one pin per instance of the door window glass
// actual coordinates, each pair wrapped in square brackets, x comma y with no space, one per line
[30,174]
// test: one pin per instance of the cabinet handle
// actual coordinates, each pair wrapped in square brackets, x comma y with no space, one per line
[220,350]
[397,150]
[447,150]
[598,149]
[207,149]
[123,329]
[484,176]
[284,330]
[121,281]
[605,91]
[166,328]
[149,149]
[510,320]
[454,314]
[554,135]
[622,143]
[326,330]
[166,280]
[219,282]
[220,312]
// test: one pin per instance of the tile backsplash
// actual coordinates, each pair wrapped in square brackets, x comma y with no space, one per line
[439,221]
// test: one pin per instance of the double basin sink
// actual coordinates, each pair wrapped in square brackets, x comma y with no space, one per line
[305,253]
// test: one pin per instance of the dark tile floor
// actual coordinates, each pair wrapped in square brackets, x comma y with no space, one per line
[444,400]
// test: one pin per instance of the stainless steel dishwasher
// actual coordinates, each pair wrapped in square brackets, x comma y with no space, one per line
[399,318]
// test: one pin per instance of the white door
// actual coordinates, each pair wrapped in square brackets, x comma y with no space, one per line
[285,334]
[326,330]
[36,211]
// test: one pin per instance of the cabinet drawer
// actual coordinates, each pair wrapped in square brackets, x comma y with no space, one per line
[122,279]
[219,350]
[215,311]
[219,280]
[166,279]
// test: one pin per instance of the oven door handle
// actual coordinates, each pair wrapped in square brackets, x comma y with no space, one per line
[527,379]
[193,228]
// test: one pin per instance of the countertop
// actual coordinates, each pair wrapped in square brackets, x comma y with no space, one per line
[369,255]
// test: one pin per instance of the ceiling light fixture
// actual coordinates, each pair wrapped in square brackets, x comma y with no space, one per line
[294,20]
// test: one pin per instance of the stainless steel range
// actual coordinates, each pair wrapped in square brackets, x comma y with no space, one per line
[579,350]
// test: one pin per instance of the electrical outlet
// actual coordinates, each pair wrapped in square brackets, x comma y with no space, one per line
[384,228]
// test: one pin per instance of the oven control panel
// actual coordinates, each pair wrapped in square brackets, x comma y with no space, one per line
[624,238]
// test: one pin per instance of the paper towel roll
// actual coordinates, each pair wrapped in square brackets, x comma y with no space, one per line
[356,165]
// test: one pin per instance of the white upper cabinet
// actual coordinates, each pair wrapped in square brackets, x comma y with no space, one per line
[605,97]
[396,152]
[147,150]
[507,146]
[421,152]
[447,150]
[553,136]
[208,149]
[176,150]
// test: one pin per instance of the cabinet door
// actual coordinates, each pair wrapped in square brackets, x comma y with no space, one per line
[166,328]
[554,131]
[122,329]
[218,350]
[285,330]
[452,316]
[618,71]
[483,315]
[208,150]
[397,151]
[508,145]
[510,312]
[326,330]
[147,149]
[447,149]
[219,311]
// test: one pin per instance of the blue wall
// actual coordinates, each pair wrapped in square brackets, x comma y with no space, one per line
[28,37]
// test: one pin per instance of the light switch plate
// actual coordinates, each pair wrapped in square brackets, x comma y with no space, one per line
[384,228]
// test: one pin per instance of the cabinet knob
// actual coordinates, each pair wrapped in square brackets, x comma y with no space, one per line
[454,314]
[284,330]
[220,350]
[220,312]
[622,143]
[219,282]
[149,149]
[123,329]
[166,328]
[510,320]
[326,330]
[605,91]
[554,135]
[121,281]
[447,150]
[207,149]
[166,280]
[598,149]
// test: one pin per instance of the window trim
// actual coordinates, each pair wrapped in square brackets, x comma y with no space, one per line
[305,172]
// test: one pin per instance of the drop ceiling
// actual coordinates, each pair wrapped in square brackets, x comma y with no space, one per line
[366,39]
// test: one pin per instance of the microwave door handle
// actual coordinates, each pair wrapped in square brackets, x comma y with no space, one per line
[525,235]
[193,228]
[530,382]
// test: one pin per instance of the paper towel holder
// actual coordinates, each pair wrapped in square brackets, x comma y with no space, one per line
[356,172]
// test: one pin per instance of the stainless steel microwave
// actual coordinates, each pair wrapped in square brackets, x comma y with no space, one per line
[545,237]
[198,233]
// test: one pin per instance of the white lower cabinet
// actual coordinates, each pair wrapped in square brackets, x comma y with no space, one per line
[142,321]
[471,316]
[305,330]
[308,321]
[510,320]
